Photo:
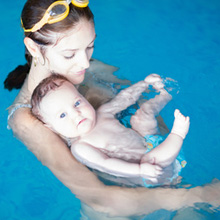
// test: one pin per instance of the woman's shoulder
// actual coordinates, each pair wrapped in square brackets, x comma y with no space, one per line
[19,116]
[20,108]
[16,106]
[21,101]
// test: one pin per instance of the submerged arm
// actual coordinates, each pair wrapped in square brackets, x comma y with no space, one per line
[117,201]
[125,98]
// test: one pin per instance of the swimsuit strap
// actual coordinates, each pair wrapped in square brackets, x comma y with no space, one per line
[15,108]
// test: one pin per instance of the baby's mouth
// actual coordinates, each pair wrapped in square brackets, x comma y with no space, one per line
[81,121]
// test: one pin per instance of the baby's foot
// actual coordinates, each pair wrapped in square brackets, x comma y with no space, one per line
[180,125]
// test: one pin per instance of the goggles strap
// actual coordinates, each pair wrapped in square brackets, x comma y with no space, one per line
[49,19]
[80,3]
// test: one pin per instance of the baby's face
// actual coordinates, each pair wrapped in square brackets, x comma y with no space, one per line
[66,112]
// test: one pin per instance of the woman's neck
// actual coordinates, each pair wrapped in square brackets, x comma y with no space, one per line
[37,73]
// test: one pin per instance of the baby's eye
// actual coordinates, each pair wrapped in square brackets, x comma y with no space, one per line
[77,103]
[63,115]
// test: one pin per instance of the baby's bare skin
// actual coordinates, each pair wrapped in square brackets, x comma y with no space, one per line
[111,147]
[101,142]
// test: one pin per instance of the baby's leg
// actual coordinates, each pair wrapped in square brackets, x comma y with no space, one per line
[166,152]
[144,121]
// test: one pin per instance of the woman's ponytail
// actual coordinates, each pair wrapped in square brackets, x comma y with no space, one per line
[15,78]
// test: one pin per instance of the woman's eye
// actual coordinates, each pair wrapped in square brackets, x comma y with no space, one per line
[62,115]
[77,103]
[69,57]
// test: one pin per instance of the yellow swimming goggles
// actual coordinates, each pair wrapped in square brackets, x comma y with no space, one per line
[56,12]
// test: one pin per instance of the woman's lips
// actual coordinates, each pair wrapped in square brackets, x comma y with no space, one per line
[81,72]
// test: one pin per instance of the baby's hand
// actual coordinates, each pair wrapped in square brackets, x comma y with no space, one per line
[155,80]
[149,171]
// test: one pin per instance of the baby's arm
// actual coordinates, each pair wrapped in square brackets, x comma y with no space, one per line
[95,159]
[130,95]
[124,98]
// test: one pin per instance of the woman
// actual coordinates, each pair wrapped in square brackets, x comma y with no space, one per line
[59,38]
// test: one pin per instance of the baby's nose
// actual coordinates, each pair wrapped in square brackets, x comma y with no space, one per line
[75,113]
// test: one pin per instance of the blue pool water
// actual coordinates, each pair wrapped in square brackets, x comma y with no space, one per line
[178,39]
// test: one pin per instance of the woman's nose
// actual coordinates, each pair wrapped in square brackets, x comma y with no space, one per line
[83,60]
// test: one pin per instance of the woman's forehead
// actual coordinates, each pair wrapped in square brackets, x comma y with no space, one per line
[80,36]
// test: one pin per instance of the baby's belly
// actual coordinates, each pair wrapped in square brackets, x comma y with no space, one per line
[127,148]
[127,156]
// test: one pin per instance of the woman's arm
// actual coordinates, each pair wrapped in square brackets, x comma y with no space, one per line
[50,149]
[53,153]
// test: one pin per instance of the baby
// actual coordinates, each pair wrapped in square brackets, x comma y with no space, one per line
[99,140]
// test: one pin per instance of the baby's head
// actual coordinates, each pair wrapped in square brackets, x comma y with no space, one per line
[58,104]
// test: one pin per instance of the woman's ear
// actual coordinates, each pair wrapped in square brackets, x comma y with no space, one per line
[32,47]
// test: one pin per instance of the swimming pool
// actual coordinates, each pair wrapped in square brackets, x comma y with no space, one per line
[178,39]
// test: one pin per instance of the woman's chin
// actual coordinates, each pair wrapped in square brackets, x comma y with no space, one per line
[77,79]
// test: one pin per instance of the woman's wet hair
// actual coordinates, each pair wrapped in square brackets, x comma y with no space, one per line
[51,83]
[32,13]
